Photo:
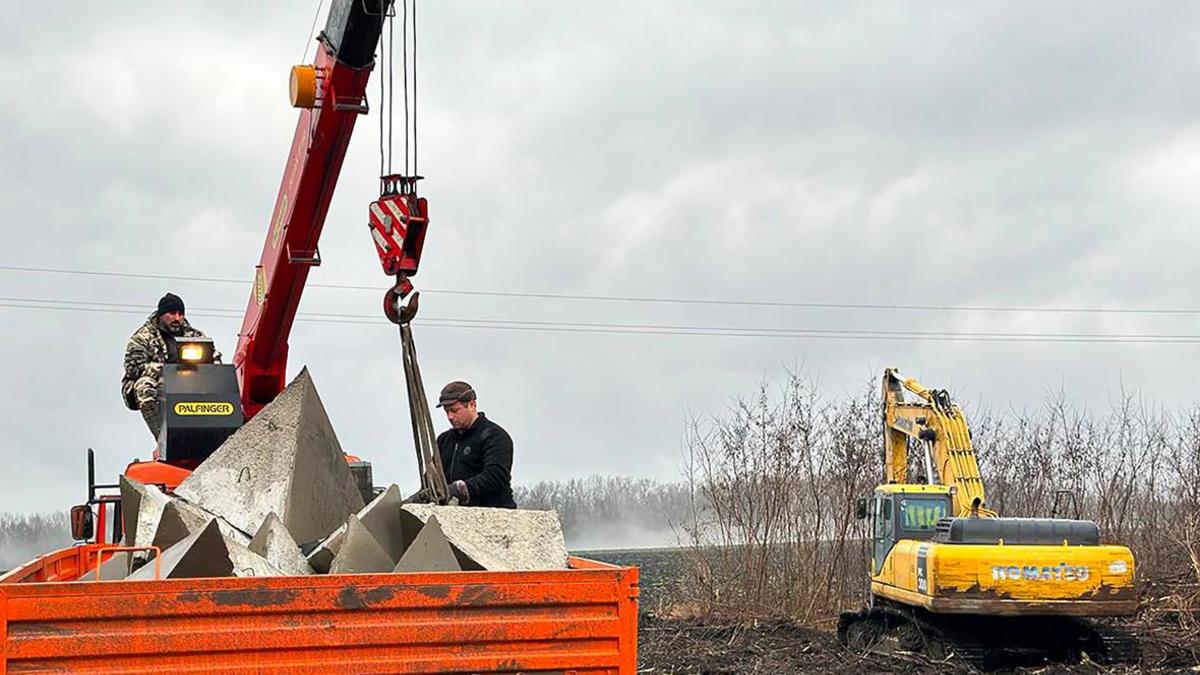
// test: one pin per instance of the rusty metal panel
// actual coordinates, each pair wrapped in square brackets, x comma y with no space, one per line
[581,620]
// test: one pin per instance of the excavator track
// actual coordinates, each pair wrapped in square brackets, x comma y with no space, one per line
[985,642]
[1111,644]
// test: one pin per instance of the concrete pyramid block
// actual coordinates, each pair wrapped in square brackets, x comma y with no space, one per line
[360,553]
[322,555]
[173,527]
[500,539]
[247,563]
[141,508]
[285,460]
[429,552]
[275,543]
[180,519]
[114,568]
[201,554]
[382,519]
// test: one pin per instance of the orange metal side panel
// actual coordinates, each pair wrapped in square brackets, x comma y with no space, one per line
[581,620]
[67,564]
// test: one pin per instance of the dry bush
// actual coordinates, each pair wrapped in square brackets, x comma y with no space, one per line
[773,483]
[772,529]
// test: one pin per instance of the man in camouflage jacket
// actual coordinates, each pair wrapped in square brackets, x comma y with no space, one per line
[148,349]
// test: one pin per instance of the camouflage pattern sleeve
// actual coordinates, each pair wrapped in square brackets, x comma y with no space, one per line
[137,355]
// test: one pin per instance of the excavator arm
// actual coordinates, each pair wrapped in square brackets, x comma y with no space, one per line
[939,424]
[331,94]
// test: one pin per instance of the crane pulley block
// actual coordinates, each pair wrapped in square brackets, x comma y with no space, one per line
[398,220]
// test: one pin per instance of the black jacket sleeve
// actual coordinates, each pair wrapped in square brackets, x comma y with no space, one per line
[497,465]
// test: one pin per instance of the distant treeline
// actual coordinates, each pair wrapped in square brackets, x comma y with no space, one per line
[606,512]
[26,536]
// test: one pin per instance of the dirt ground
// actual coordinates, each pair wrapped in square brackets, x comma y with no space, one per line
[778,647]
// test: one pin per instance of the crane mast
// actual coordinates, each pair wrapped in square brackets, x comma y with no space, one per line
[331,94]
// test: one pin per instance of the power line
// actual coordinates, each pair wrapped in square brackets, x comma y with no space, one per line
[652,299]
[634,329]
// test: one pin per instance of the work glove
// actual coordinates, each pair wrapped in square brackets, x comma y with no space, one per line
[458,489]
[419,497]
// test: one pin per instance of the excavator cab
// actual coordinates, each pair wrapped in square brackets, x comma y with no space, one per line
[900,511]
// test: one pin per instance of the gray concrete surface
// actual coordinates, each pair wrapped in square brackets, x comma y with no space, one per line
[382,519]
[179,513]
[201,554]
[360,552]
[141,508]
[285,460]
[275,543]
[172,527]
[113,568]
[247,563]
[321,557]
[429,552]
[500,539]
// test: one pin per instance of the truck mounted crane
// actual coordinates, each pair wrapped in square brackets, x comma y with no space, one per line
[949,575]
[56,615]
[331,94]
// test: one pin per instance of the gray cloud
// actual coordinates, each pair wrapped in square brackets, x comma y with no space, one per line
[1015,154]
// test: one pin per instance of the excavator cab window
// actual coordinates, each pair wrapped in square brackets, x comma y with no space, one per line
[919,514]
[883,528]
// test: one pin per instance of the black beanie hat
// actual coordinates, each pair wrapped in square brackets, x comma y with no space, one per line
[170,303]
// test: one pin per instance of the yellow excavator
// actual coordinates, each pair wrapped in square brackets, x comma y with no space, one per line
[950,577]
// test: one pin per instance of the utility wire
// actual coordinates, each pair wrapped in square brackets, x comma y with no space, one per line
[415,170]
[311,30]
[651,299]
[404,66]
[214,311]
[640,329]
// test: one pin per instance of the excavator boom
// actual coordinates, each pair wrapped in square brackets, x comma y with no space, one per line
[939,424]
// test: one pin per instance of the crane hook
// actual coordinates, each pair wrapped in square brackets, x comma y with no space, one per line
[392,309]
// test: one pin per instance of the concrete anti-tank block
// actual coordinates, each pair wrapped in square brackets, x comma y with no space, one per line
[429,552]
[322,554]
[172,527]
[500,539]
[141,508]
[360,552]
[275,543]
[247,563]
[201,554]
[285,460]
[382,519]
[114,568]
[179,519]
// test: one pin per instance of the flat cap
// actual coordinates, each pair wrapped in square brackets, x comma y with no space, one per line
[456,392]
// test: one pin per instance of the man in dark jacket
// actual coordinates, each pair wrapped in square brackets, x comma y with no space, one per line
[476,453]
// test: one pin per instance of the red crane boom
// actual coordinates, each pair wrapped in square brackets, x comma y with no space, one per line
[331,94]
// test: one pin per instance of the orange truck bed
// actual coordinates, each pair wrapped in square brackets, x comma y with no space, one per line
[581,620]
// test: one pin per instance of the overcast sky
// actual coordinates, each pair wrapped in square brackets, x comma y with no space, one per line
[1008,154]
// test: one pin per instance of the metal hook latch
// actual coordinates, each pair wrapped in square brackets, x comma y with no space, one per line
[395,312]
